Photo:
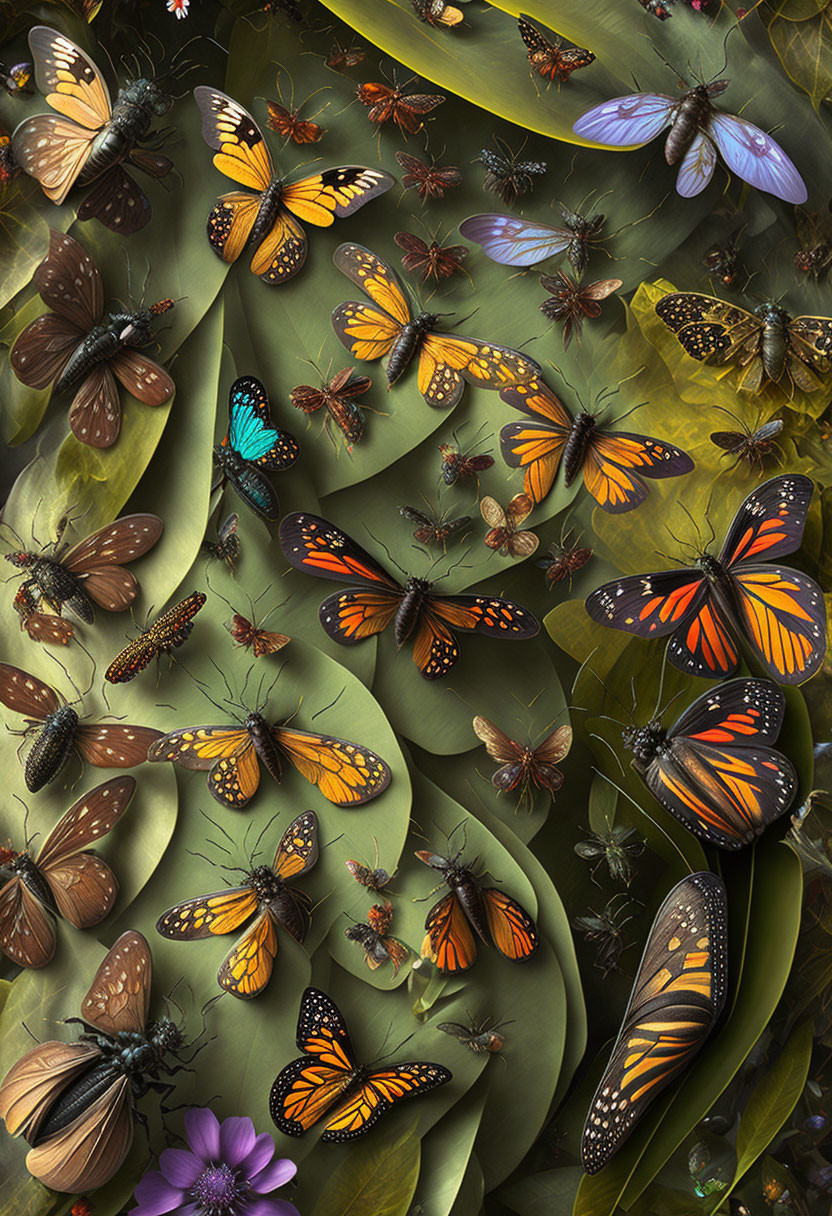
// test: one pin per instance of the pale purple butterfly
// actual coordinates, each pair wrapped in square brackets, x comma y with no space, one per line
[515,242]
[697,130]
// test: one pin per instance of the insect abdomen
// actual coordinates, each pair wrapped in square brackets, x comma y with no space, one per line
[469,895]
[267,212]
[408,613]
[99,345]
[60,586]
[264,745]
[576,445]
[690,115]
[405,348]
[79,1097]
[773,343]
[51,749]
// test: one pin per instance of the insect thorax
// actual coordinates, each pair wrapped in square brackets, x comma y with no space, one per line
[100,344]
[416,591]
[267,212]
[407,343]
[51,749]
[28,872]
[265,883]
[691,115]
[645,742]
[583,428]
[712,568]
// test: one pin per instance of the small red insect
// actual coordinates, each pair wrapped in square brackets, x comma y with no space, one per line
[81,1207]
[375,879]
[460,466]
[570,302]
[433,261]
[256,639]
[373,934]
[337,395]
[563,560]
[390,103]
[429,181]
[288,123]
[41,626]
[344,56]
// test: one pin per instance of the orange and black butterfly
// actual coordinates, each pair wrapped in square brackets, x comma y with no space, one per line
[613,463]
[346,773]
[263,894]
[715,769]
[677,997]
[547,56]
[317,547]
[494,916]
[739,596]
[61,733]
[390,103]
[89,141]
[327,1082]
[270,218]
[522,765]
[40,626]
[388,326]
[65,879]
[169,631]
[374,936]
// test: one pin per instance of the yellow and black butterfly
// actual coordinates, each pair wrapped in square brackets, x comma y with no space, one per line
[270,218]
[388,326]
[766,345]
[265,895]
[676,999]
[327,1082]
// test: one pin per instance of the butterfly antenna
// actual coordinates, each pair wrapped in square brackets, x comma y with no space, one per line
[390,556]
[612,750]
[79,696]
[223,709]
[648,817]
[663,671]
[731,414]
[724,66]
[326,707]
[256,850]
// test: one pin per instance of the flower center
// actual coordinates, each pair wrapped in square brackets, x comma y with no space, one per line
[217,1190]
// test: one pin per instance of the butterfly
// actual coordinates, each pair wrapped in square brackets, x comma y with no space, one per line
[506,175]
[344,57]
[521,765]
[766,344]
[390,103]
[430,261]
[437,12]
[374,936]
[337,395]
[41,626]
[117,1058]
[433,528]
[478,1037]
[677,997]
[61,732]
[346,773]
[317,547]
[461,466]
[252,637]
[715,769]
[429,181]
[326,1082]
[750,446]
[504,533]
[290,125]
[709,607]
[562,561]
[65,879]
[270,218]
[389,327]
[169,631]
[226,547]
[78,347]
[494,916]
[615,846]
[547,56]
[251,444]
[613,462]
[697,130]
[722,259]
[90,572]
[513,241]
[263,894]
[89,141]
[17,79]
[570,301]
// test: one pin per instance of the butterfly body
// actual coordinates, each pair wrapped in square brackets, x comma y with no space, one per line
[584,429]
[103,342]
[407,344]
[773,339]
[134,110]
[55,583]
[292,908]
[416,591]
[691,115]
[22,865]
[261,736]
[51,749]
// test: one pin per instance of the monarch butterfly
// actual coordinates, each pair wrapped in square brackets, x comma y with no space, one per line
[263,894]
[494,916]
[270,218]
[251,444]
[715,768]
[65,879]
[374,936]
[313,544]
[326,1082]
[708,608]
[677,997]
[522,765]
[613,463]
[75,1102]
[389,327]
[169,631]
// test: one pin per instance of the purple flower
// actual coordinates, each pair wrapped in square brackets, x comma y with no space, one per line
[228,1171]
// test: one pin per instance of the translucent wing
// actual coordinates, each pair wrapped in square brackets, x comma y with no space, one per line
[498,745]
[756,157]
[697,167]
[634,119]
[512,241]
[52,150]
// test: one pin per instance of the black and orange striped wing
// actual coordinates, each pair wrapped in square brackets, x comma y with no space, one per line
[616,464]
[208,915]
[677,997]
[298,849]
[377,1093]
[248,967]
[535,446]
[345,773]
[449,942]
[513,931]
[227,751]
[306,1089]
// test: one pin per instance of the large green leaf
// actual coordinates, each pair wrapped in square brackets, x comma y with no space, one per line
[379,1182]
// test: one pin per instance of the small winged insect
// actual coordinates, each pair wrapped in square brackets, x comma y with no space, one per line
[697,131]
[750,446]
[563,560]
[286,121]
[605,931]
[548,57]
[374,879]
[722,259]
[505,534]
[513,241]
[523,766]
[168,632]
[41,626]
[251,445]
[338,397]
[16,80]
[437,13]
[428,180]
[430,261]
[59,732]
[657,8]
[479,1037]
[344,56]
[390,103]
[506,175]
[433,528]
[374,936]
[252,636]
[570,302]
[226,548]
[616,846]
[814,234]
[462,466]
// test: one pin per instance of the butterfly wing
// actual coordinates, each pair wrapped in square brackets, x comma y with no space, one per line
[647,605]
[247,969]
[513,931]
[199,747]
[53,151]
[41,351]
[119,995]
[26,694]
[27,933]
[316,546]
[345,773]
[697,167]
[127,538]
[230,223]
[756,158]
[449,942]
[446,359]
[69,79]
[106,746]
[626,121]
[489,615]
[377,1093]
[95,413]
[251,432]
[497,744]
[208,915]
[145,379]
[117,201]
[335,193]
[512,241]
[615,464]
[298,850]
[69,282]
[228,129]
[710,329]
[305,1089]
[770,521]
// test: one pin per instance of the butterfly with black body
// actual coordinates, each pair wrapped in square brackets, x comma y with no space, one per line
[479,1037]
[316,546]
[676,1000]
[169,631]
[615,846]
[251,444]
[547,55]
[326,1081]
[741,595]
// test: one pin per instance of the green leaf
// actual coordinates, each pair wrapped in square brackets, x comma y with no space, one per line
[803,44]
[551,1193]
[379,1180]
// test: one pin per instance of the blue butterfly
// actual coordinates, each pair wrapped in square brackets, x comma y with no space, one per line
[252,444]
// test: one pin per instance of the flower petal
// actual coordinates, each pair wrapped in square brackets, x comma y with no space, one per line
[259,1157]
[203,1131]
[273,1176]
[180,1167]
[156,1196]
[269,1207]
[236,1139]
